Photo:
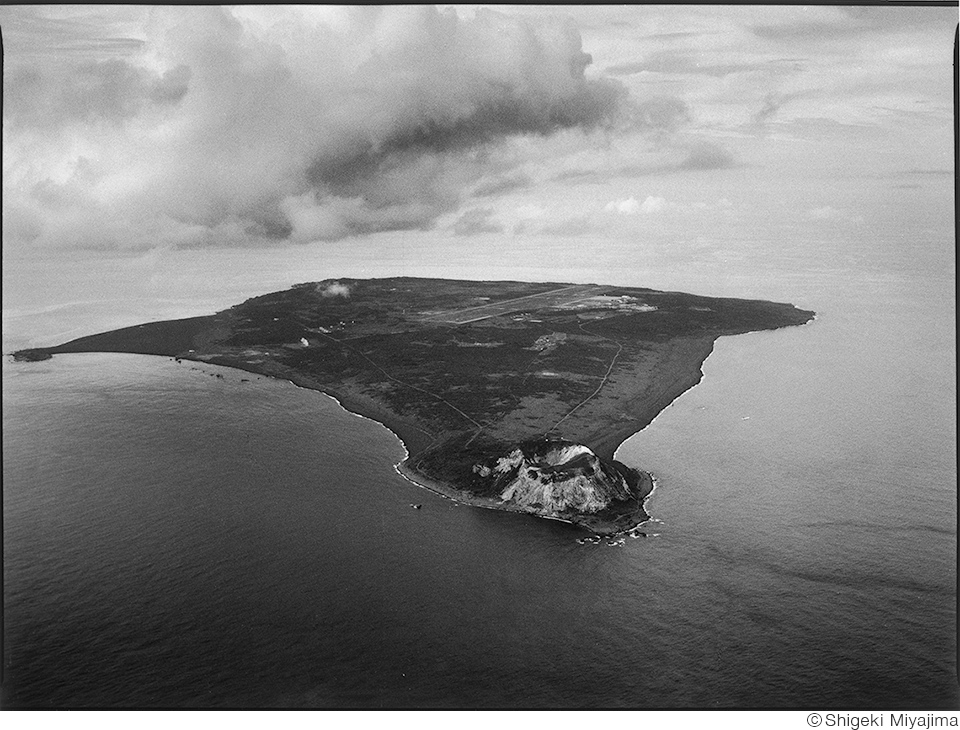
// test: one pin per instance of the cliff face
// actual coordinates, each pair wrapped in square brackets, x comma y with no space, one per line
[556,477]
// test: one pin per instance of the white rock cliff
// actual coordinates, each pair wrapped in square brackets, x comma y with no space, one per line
[556,477]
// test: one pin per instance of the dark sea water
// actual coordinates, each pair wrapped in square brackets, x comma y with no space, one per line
[172,538]
[176,539]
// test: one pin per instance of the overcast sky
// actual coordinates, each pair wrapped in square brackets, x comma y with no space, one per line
[187,127]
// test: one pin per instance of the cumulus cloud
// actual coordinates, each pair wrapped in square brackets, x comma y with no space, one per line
[242,126]
[632,206]
[624,207]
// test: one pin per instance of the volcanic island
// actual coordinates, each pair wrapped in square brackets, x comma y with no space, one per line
[507,395]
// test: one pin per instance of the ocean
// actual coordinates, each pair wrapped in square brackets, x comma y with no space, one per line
[176,539]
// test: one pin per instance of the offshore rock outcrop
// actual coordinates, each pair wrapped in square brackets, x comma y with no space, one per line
[560,478]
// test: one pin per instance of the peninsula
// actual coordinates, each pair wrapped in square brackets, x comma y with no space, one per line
[506,394]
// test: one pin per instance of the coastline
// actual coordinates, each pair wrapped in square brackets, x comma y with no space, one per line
[370,412]
[447,491]
[411,437]
[677,371]
[590,522]
[647,407]
[414,440]
[407,434]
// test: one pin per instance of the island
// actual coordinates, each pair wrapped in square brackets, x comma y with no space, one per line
[507,395]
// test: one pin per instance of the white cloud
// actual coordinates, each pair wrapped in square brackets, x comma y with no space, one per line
[232,127]
[209,126]
[652,204]
[629,206]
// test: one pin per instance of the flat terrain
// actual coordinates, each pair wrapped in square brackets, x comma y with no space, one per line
[530,302]
[464,370]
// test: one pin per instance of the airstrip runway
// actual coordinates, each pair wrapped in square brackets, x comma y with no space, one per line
[553,298]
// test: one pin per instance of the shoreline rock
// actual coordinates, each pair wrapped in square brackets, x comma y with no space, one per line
[615,520]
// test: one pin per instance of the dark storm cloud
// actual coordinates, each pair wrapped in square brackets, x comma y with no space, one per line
[352,168]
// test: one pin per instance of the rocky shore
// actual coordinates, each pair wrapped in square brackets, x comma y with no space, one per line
[622,523]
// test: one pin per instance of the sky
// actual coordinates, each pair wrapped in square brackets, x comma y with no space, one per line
[158,131]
